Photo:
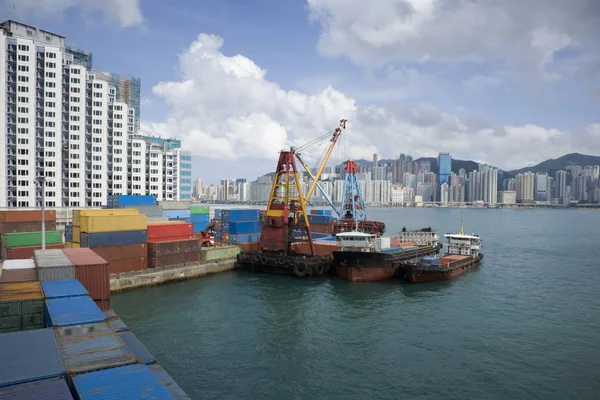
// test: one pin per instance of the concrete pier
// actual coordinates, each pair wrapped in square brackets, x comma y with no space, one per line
[158,276]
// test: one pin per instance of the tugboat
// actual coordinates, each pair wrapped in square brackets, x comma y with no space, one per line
[463,253]
[366,257]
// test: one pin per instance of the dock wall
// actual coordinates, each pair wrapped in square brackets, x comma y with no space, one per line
[158,276]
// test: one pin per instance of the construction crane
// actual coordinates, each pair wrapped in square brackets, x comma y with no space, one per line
[286,217]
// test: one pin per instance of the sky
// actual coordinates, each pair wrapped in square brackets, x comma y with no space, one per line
[510,83]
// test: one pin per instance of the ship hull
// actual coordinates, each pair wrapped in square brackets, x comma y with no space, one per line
[425,273]
[359,266]
[297,265]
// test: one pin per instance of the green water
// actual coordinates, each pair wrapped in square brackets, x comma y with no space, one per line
[524,325]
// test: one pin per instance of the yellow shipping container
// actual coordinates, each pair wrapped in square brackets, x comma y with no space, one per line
[76,235]
[75,245]
[112,223]
[77,214]
[68,245]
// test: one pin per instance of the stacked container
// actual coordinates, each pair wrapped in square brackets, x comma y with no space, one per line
[321,221]
[240,226]
[18,271]
[117,235]
[21,307]
[21,233]
[93,272]
[172,244]
[178,215]
[130,200]
[200,217]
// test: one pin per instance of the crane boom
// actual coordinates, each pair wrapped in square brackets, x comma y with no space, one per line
[307,169]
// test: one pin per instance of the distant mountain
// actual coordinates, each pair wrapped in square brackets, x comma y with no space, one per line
[553,165]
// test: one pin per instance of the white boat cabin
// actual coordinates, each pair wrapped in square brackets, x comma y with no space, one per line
[466,245]
[356,241]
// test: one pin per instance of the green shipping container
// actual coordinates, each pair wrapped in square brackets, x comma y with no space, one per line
[219,253]
[21,306]
[30,239]
[194,210]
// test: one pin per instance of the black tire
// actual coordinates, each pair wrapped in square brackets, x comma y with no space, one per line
[256,258]
[263,260]
[300,269]
[238,258]
[280,261]
[319,269]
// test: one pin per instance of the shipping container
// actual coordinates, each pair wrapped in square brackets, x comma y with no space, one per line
[165,379]
[173,247]
[92,347]
[244,227]
[127,382]
[106,239]
[157,219]
[199,210]
[61,289]
[406,244]
[130,200]
[47,389]
[240,215]
[21,227]
[150,211]
[199,227]
[164,230]
[200,218]
[221,253]
[26,216]
[249,247]
[110,314]
[76,234]
[111,253]
[127,265]
[103,305]
[75,245]
[243,238]
[321,212]
[218,213]
[175,238]
[178,214]
[18,271]
[394,241]
[112,223]
[383,242]
[320,219]
[68,245]
[174,259]
[21,306]
[175,205]
[117,325]
[53,265]
[30,239]
[92,271]
[29,356]
[98,213]
[321,228]
[72,311]
[140,351]
[431,260]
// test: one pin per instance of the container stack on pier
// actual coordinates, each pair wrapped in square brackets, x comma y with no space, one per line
[321,221]
[238,227]
[172,243]
[21,233]
[200,217]
[55,343]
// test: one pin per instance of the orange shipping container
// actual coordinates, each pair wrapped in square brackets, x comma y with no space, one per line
[407,244]
[27,216]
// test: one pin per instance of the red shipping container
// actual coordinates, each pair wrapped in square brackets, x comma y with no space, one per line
[104,305]
[92,271]
[171,239]
[174,259]
[321,228]
[394,241]
[173,247]
[21,227]
[164,230]
[127,265]
[129,251]
[27,216]
[21,253]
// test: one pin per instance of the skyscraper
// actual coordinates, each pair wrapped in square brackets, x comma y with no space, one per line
[541,187]
[444,168]
[561,185]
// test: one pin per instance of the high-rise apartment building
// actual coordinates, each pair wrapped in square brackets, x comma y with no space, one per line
[444,168]
[560,179]
[525,187]
[541,187]
[75,128]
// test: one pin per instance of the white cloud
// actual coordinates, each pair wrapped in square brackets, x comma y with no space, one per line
[126,13]
[526,34]
[225,107]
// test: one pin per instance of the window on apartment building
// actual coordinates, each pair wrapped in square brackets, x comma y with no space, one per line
[117,116]
[75,90]
[118,159]
[50,104]
[22,99]
[97,86]
[23,193]
[50,134]
[74,184]
[97,176]
[74,194]
[23,47]
[50,144]
[50,174]
[117,125]
[137,161]
[97,130]
[50,114]
[137,178]
[23,68]
[50,164]
[97,168]
[51,55]
[74,99]
[74,127]
[50,84]
[22,120]
[97,140]
[23,183]
[50,94]
[97,158]
[98,95]
[74,165]
[74,118]
[24,131]
[75,71]
[137,144]
[97,104]
[23,57]
[22,110]
[74,175]
[74,146]
[131,120]
[137,153]
[22,78]
[73,137]
[23,172]
[50,154]
[137,170]
[23,141]
[23,162]
[74,156]
[97,113]
[97,149]
[50,65]
[50,74]
[74,108]
[49,124]
[23,89]
[50,194]
[75,80]
[97,122]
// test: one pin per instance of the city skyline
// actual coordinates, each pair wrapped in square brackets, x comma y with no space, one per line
[467,99]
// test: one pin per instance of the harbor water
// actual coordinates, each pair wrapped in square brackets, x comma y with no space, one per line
[524,325]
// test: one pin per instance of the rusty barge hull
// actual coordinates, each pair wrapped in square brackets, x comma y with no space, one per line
[422,273]
[359,266]
[297,265]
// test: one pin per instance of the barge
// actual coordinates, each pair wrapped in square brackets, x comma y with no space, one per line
[365,257]
[463,253]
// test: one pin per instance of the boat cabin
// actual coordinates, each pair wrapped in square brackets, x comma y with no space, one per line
[420,237]
[466,245]
[356,241]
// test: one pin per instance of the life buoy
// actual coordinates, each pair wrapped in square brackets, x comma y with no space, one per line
[301,269]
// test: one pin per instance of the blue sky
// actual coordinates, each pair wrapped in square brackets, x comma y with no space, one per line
[510,84]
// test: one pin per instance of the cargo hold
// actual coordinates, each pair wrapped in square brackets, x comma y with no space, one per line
[32,355]
[132,381]
[73,311]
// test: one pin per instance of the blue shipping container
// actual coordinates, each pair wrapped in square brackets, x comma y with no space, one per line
[128,200]
[67,288]
[218,213]
[132,382]
[320,219]
[199,227]
[69,236]
[47,389]
[164,378]
[244,238]
[139,350]
[241,215]
[431,260]
[323,212]
[244,227]
[327,239]
[92,347]
[218,235]
[105,239]
[177,214]
[73,311]
[200,219]
[29,356]
[110,314]
[117,325]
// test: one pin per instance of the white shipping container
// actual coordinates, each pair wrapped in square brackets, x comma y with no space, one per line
[383,242]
